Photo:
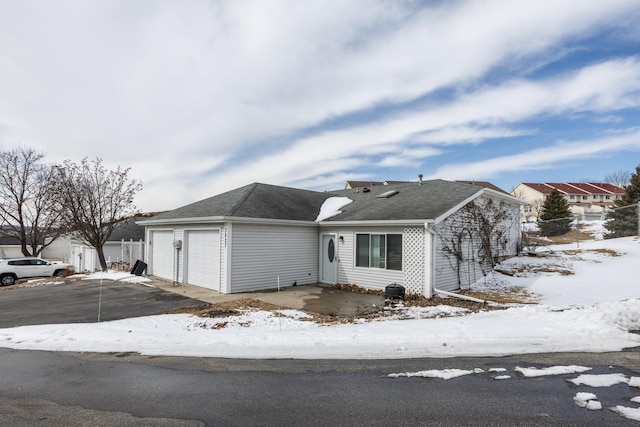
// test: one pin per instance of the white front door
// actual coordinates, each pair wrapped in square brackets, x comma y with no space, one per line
[329,259]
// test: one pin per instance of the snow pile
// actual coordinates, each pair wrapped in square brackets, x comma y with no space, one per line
[553,370]
[595,228]
[445,374]
[603,380]
[626,412]
[121,276]
[587,400]
[331,207]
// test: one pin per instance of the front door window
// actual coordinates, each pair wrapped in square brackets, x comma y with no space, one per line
[331,250]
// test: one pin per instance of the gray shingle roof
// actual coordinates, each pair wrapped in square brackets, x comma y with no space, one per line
[128,230]
[412,202]
[255,201]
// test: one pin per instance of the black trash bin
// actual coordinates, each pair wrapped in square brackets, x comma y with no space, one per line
[394,291]
[138,268]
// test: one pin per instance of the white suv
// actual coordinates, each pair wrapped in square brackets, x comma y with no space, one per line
[20,268]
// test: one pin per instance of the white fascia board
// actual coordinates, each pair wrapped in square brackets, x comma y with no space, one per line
[483,191]
[374,223]
[507,197]
[220,219]
[458,206]
[206,219]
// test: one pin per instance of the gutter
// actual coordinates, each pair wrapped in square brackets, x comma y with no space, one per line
[221,219]
[454,295]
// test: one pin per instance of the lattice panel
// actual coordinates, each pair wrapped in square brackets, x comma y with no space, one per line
[413,259]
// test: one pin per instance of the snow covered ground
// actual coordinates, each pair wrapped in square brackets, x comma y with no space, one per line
[587,301]
[591,307]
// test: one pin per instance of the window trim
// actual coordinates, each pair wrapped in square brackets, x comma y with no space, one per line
[370,240]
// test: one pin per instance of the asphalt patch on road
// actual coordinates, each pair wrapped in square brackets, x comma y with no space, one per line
[86,301]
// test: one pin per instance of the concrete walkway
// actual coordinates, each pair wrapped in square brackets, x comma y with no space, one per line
[319,298]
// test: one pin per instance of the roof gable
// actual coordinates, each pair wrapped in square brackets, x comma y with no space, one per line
[485,184]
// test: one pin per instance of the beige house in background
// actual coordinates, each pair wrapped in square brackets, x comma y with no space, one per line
[587,200]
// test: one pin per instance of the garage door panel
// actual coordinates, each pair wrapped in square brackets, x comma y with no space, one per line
[203,258]
[162,254]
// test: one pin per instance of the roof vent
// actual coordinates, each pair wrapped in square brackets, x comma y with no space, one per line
[366,190]
[387,194]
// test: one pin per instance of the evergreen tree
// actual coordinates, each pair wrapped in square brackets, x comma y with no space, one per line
[624,222]
[556,216]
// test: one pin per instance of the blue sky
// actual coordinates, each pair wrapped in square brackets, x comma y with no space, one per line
[201,97]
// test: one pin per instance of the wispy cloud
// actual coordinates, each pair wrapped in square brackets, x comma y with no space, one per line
[219,93]
[553,155]
[473,118]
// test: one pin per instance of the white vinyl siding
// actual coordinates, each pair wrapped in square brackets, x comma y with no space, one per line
[445,274]
[84,258]
[89,260]
[262,253]
[452,274]
[372,278]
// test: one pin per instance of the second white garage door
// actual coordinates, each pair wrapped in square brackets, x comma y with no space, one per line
[203,258]
[162,254]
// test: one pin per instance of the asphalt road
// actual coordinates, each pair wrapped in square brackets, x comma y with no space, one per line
[77,389]
[81,301]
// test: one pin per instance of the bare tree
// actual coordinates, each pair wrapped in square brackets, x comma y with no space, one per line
[621,178]
[534,206]
[27,200]
[93,200]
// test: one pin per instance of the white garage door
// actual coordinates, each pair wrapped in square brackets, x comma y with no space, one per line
[203,258]
[162,254]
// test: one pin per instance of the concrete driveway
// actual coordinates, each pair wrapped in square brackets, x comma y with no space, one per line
[319,298]
[79,302]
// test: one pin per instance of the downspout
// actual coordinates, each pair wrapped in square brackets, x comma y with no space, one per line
[454,295]
[429,260]
[177,281]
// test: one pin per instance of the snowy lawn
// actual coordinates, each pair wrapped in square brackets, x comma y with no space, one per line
[590,306]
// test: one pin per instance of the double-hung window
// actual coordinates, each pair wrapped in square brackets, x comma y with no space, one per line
[379,251]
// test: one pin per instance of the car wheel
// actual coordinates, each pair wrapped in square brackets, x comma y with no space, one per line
[61,273]
[8,279]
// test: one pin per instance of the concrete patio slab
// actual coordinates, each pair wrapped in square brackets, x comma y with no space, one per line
[319,298]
